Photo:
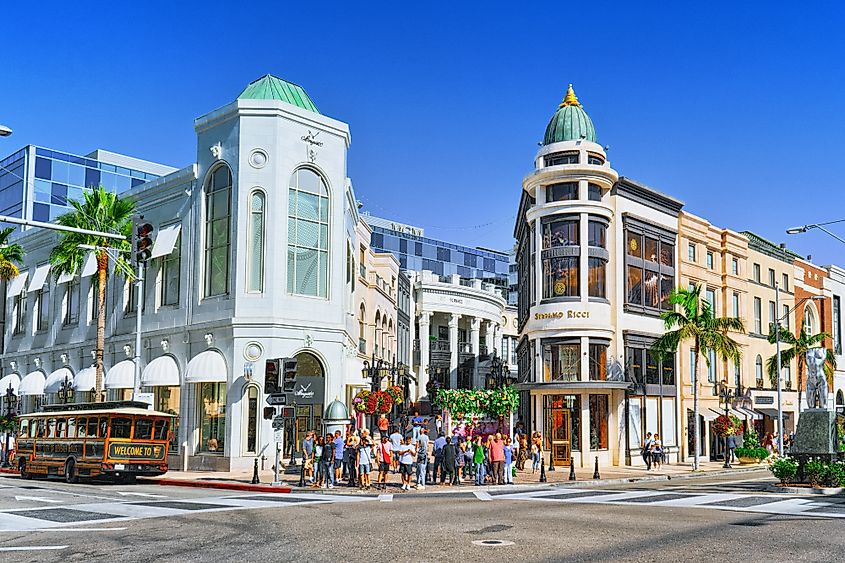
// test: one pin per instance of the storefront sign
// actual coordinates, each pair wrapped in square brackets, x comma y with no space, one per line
[562,314]
[308,391]
[121,450]
[764,400]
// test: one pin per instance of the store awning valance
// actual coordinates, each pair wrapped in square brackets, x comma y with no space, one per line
[32,384]
[121,376]
[17,284]
[65,278]
[207,367]
[55,380]
[12,379]
[161,372]
[85,380]
[166,240]
[773,413]
[750,413]
[39,276]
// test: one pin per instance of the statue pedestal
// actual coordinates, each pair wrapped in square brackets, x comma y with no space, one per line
[816,434]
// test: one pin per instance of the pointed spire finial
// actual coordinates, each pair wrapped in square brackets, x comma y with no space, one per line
[570,99]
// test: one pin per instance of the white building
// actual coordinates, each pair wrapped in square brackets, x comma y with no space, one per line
[256,257]
[596,256]
[835,289]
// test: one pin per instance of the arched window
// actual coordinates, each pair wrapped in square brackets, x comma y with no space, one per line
[251,397]
[309,365]
[758,370]
[255,262]
[377,333]
[840,398]
[809,321]
[218,209]
[362,327]
[308,234]
[384,335]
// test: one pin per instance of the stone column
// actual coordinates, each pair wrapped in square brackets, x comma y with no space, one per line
[422,374]
[453,349]
[474,327]
[488,336]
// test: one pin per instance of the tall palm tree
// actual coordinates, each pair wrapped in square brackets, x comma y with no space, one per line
[694,321]
[10,255]
[797,346]
[105,212]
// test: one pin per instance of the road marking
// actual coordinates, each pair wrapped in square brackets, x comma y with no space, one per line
[33,548]
[481,495]
[140,494]
[37,499]
[385,498]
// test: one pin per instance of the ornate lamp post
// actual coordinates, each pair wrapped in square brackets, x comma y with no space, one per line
[11,407]
[66,391]
[727,394]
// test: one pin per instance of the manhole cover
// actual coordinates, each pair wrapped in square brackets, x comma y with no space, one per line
[492,543]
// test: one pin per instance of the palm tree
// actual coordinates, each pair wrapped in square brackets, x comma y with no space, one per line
[104,212]
[10,255]
[696,323]
[798,344]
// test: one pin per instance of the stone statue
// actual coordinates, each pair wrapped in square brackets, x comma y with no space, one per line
[816,378]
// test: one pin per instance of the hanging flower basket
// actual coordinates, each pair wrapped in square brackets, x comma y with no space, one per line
[496,402]
[395,393]
[383,402]
[361,402]
[727,425]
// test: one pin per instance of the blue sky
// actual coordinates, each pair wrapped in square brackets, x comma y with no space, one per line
[735,110]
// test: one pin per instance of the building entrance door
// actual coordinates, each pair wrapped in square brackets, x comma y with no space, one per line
[560,435]
[308,417]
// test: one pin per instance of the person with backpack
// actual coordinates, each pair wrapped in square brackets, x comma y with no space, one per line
[422,457]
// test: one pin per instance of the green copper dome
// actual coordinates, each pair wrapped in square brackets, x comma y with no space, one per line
[570,122]
[270,87]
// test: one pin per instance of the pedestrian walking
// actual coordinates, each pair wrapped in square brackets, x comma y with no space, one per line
[383,424]
[338,447]
[497,459]
[318,462]
[422,458]
[439,442]
[657,452]
[450,457]
[308,456]
[384,456]
[407,455]
[731,447]
[364,461]
[350,457]
[395,442]
[508,462]
[478,461]
[330,463]
[646,451]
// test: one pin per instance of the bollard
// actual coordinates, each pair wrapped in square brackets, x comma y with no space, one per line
[571,469]
[263,459]
[302,473]
[596,472]
[551,462]
[255,480]
[542,471]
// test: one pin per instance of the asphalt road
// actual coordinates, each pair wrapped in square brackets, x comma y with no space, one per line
[694,520]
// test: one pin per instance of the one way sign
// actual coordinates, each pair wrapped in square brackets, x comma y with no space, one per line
[277,399]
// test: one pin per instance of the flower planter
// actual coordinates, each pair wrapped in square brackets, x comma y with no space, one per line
[749,460]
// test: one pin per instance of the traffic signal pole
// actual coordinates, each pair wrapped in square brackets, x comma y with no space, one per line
[139,292]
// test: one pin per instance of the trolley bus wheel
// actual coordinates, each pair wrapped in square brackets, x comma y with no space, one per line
[71,475]
[22,467]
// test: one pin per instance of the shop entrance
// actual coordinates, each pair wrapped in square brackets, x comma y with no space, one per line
[559,432]
[308,417]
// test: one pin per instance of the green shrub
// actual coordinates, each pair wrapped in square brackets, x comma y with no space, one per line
[784,468]
[750,440]
[816,472]
[757,452]
[834,475]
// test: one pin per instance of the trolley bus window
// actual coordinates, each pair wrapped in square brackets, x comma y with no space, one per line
[161,429]
[42,428]
[121,427]
[143,429]
[92,427]
[33,425]
[51,428]
[81,427]
[104,426]
[61,424]
[24,428]
[71,428]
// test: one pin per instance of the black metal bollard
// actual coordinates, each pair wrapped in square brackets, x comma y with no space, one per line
[571,469]
[551,462]
[542,471]
[596,472]
[302,473]
[263,459]
[255,479]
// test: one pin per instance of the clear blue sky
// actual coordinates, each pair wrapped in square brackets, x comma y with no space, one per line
[735,110]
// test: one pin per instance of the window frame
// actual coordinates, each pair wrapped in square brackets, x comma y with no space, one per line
[257,220]
[210,288]
[322,250]
[666,273]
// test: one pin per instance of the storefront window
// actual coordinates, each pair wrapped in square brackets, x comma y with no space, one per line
[560,277]
[562,362]
[598,362]
[562,192]
[166,399]
[650,267]
[652,372]
[212,417]
[557,411]
[561,233]
[598,422]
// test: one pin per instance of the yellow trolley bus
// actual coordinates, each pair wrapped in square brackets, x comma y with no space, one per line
[117,440]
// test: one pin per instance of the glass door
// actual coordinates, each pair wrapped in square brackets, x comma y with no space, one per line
[558,429]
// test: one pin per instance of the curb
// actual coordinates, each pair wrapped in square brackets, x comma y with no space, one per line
[211,485]
[9,470]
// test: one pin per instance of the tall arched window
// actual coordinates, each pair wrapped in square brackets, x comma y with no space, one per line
[390,340]
[377,334]
[758,370]
[255,261]
[384,339]
[809,321]
[218,210]
[362,327]
[308,234]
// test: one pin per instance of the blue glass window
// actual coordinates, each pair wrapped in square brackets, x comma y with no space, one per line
[43,168]
[444,254]
[470,260]
[58,194]
[403,261]
[76,175]
[464,272]
[40,212]
[391,243]
[418,249]
[92,178]
[377,241]
[137,182]
[122,183]
[489,265]
[403,246]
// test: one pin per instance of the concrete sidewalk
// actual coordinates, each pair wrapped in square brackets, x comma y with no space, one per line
[524,479]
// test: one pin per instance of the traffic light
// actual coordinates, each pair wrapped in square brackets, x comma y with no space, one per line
[271,377]
[269,413]
[143,242]
[289,371]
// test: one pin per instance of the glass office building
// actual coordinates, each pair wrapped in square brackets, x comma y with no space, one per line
[416,252]
[36,183]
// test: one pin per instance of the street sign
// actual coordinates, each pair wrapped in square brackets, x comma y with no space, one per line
[278,423]
[278,435]
[277,399]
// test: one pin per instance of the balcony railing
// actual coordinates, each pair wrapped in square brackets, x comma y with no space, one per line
[439,346]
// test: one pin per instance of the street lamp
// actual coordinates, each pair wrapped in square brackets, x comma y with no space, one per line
[819,226]
[11,403]
[499,373]
[66,391]
[5,131]
[726,395]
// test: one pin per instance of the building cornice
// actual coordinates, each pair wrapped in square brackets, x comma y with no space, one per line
[647,196]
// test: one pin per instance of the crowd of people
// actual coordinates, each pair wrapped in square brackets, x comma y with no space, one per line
[420,459]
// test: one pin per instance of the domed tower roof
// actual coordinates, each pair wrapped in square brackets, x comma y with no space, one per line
[570,122]
[336,411]
[270,87]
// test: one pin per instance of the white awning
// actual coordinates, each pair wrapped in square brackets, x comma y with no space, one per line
[750,413]
[166,240]
[65,278]
[32,384]
[90,266]
[207,367]
[54,380]
[85,380]
[773,412]
[39,276]
[16,285]
[121,376]
[12,379]
[162,371]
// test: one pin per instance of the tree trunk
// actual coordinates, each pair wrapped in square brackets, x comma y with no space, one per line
[800,389]
[102,269]
[696,429]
